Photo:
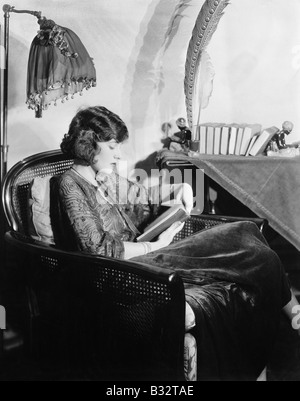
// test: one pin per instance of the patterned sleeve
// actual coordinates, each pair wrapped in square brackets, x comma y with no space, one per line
[81,214]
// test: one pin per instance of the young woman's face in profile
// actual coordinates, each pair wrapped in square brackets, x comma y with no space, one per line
[110,153]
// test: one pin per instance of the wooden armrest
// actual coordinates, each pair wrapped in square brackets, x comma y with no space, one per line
[42,249]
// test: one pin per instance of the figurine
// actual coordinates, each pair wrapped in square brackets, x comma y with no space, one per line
[278,146]
[180,141]
[278,141]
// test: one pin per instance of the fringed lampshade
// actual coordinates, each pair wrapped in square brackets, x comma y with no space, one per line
[59,66]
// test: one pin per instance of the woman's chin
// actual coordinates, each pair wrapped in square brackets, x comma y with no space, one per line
[108,169]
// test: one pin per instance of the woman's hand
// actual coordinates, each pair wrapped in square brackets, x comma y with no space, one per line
[184,193]
[137,249]
[167,236]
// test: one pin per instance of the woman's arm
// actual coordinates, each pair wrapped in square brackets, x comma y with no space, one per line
[181,193]
[89,235]
[91,238]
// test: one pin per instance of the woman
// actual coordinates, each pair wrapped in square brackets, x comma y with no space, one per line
[103,214]
[109,225]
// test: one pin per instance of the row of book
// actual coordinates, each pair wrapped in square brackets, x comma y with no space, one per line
[231,139]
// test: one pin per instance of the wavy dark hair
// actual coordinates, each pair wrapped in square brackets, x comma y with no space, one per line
[89,126]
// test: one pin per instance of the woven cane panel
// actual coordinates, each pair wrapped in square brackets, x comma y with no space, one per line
[51,264]
[129,287]
[135,303]
[20,189]
[137,321]
[19,202]
[195,224]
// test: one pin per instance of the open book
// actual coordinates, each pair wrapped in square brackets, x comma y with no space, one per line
[165,220]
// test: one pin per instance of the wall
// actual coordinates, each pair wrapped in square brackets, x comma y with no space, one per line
[255,52]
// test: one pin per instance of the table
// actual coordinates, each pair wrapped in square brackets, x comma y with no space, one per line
[269,186]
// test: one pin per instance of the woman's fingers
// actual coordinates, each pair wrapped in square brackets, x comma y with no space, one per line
[179,227]
[184,194]
[188,197]
[168,235]
[175,228]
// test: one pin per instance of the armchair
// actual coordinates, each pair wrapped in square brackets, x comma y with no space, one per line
[125,320]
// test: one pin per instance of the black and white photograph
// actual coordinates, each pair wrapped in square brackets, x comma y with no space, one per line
[150,186]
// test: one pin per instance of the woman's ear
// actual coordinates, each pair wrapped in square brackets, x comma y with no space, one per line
[95,163]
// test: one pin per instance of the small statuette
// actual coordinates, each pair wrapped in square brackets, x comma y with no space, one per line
[278,141]
[180,122]
[180,141]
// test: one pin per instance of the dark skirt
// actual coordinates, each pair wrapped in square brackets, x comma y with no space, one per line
[237,288]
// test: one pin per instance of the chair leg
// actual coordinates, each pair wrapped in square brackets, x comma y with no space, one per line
[33,315]
[263,376]
[1,353]
[1,345]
